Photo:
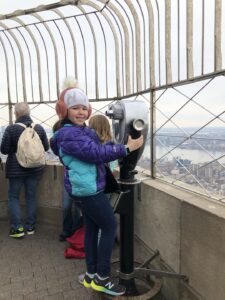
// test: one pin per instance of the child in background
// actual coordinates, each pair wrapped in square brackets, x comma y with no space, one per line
[72,219]
[83,157]
[100,124]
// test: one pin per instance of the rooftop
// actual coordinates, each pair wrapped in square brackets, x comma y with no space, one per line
[35,267]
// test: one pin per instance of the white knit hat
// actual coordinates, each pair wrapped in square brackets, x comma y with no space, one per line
[74,97]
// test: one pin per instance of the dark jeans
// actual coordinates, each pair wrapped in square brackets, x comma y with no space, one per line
[98,214]
[71,215]
[15,186]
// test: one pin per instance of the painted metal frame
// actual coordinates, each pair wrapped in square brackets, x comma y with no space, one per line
[130,43]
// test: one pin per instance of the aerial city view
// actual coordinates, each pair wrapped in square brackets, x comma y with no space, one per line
[197,161]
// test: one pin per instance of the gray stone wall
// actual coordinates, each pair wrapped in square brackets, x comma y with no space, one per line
[189,231]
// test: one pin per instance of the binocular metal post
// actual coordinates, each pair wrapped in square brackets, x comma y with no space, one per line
[125,207]
[127,239]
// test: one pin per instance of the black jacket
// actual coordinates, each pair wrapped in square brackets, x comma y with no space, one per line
[9,146]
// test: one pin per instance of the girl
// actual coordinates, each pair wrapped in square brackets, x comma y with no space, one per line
[72,218]
[100,124]
[83,157]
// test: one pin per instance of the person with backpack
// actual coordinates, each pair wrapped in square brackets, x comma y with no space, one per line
[83,157]
[24,167]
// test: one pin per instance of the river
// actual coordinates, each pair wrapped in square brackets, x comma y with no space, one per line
[196,156]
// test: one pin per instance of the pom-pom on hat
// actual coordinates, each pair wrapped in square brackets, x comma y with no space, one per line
[70,82]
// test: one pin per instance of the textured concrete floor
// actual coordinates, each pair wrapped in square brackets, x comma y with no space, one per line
[35,268]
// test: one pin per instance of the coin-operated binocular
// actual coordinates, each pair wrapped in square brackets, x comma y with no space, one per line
[129,118]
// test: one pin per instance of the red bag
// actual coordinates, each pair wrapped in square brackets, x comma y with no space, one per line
[76,241]
[72,253]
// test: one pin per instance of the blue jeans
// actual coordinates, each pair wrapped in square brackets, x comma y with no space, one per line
[98,214]
[15,186]
[71,215]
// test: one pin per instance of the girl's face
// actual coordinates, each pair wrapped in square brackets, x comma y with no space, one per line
[78,114]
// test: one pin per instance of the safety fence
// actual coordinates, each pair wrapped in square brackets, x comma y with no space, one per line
[169,53]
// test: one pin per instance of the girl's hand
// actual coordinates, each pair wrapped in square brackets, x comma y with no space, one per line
[134,144]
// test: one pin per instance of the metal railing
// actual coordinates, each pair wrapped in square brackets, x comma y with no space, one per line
[169,53]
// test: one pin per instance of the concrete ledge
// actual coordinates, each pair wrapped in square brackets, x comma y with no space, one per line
[50,216]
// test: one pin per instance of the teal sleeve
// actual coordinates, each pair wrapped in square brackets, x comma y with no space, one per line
[113,164]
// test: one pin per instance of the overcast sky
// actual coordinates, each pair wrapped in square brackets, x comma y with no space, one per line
[215,92]
[8,6]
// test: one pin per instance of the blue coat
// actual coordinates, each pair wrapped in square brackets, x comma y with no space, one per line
[83,157]
[9,146]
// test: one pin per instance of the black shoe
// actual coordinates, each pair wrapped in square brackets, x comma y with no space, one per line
[17,233]
[109,286]
[30,230]
[63,237]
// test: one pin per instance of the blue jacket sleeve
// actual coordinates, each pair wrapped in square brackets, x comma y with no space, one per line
[90,151]
[53,145]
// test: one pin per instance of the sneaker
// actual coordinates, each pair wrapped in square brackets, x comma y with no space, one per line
[30,230]
[109,286]
[17,233]
[63,237]
[85,280]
